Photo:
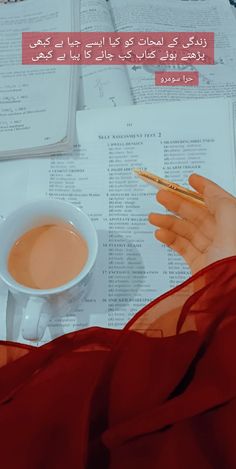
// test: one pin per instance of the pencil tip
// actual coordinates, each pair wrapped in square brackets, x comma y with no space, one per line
[136,170]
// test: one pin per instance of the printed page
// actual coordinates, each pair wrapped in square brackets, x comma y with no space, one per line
[3,309]
[28,99]
[101,86]
[13,185]
[175,15]
[132,267]
[234,10]
[13,194]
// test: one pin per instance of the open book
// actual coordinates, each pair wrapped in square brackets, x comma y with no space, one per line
[37,104]
[37,108]
[169,139]
[117,85]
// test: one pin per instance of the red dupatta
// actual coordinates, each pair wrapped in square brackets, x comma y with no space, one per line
[161,393]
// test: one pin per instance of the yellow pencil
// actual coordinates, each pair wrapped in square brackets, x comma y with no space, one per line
[161,183]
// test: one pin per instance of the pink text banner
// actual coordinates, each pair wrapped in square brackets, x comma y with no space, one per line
[104,48]
[177,78]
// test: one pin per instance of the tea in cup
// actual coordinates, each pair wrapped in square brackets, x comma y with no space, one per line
[48,250]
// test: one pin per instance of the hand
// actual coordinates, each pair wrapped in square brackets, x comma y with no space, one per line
[201,235]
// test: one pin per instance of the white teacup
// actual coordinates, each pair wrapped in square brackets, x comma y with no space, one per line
[40,305]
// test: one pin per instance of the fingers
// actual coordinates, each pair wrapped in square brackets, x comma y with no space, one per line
[201,184]
[182,228]
[213,194]
[189,211]
[180,245]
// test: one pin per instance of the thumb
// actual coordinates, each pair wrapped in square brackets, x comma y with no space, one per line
[213,194]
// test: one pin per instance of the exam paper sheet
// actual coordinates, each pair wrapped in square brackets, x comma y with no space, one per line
[132,267]
[3,309]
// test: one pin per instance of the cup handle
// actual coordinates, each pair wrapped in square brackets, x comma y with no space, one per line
[35,320]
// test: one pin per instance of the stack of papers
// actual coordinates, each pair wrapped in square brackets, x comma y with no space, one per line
[37,113]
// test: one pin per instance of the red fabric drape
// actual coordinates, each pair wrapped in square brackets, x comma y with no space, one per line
[161,393]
